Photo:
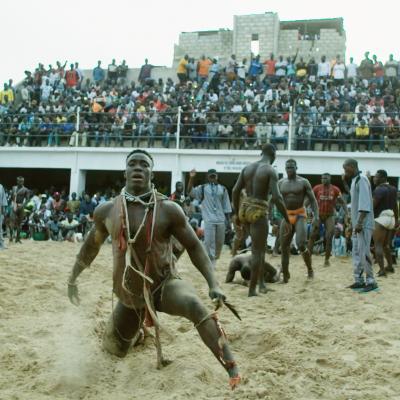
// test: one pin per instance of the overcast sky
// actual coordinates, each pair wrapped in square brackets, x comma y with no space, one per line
[44,31]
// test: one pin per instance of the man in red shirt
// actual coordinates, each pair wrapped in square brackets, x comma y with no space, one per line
[72,77]
[327,196]
[270,66]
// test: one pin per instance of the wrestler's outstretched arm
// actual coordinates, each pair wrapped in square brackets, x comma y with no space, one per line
[89,250]
[239,185]
[180,228]
[276,195]
[313,201]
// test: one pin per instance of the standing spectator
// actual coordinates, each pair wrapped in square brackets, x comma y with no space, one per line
[386,215]
[242,70]
[215,210]
[98,74]
[280,67]
[191,70]
[391,67]
[312,69]
[181,71]
[269,66]
[351,69]
[145,73]
[203,66]
[71,78]
[366,68]
[362,221]
[378,70]
[324,68]
[231,68]
[6,95]
[255,69]
[338,72]
[80,75]
[179,195]
[73,204]
[112,73]
[3,206]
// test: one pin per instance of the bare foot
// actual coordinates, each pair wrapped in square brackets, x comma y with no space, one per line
[327,263]
[310,274]
[234,382]
[252,292]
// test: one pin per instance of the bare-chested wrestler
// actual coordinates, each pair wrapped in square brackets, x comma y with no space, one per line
[19,197]
[295,189]
[241,263]
[327,196]
[141,223]
[258,178]
[386,216]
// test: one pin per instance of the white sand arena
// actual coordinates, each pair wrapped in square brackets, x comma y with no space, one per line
[305,340]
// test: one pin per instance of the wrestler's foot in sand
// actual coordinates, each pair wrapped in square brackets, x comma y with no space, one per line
[327,263]
[310,274]
[286,277]
[234,377]
[262,288]
[382,272]
[389,269]
[252,292]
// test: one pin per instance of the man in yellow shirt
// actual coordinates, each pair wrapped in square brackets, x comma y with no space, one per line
[182,69]
[6,95]
[362,134]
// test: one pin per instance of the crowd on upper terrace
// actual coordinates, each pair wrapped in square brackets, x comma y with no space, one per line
[241,104]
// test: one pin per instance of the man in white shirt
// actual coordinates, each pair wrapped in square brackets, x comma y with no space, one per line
[351,69]
[324,68]
[338,72]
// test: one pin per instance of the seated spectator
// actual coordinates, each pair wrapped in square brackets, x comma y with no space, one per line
[280,133]
[392,137]
[36,225]
[376,133]
[362,134]
[338,243]
[73,205]
[69,227]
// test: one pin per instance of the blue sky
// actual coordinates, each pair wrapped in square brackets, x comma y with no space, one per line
[86,30]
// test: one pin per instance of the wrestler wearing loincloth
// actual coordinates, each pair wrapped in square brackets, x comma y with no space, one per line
[141,223]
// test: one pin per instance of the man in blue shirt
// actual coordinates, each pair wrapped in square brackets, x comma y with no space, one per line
[98,73]
[362,221]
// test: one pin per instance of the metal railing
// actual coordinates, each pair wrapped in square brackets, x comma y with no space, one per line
[181,129]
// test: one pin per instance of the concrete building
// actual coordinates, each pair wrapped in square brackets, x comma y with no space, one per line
[264,34]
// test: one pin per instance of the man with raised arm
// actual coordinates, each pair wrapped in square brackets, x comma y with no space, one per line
[295,189]
[141,223]
[258,179]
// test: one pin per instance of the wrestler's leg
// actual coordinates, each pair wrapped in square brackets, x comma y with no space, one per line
[258,233]
[314,235]
[387,250]
[379,236]
[301,237]
[121,329]
[329,228]
[286,235]
[275,251]
[179,298]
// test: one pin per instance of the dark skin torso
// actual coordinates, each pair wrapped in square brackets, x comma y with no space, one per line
[294,191]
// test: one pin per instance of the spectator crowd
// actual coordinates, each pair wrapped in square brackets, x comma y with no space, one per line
[238,105]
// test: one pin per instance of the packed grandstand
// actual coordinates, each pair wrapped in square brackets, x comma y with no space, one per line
[293,103]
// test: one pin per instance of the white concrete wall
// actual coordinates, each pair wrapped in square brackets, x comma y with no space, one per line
[80,160]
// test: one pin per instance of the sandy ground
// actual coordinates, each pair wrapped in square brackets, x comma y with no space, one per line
[304,340]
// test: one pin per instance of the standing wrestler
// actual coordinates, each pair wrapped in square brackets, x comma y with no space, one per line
[362,221]
[141,223]
[258,179]
[327,196]
[19,197]
[386,216]
[295,189]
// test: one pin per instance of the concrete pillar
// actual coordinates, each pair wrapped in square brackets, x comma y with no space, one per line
[77,182]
